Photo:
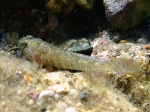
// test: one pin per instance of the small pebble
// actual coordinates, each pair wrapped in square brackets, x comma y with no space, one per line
[46,92]
[38,88]
[148,54]
[84,95]
[47,111]
[123,41]
[61,105]
[3,103]
[10,38]
[19,92]
[61,88]
[40,102]
[43,110]
[57,96]
[31,102]
[142,40]
[79,104]
[74,93]
[70,109]
[116,38]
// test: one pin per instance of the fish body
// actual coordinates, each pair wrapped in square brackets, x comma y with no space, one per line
[48,54]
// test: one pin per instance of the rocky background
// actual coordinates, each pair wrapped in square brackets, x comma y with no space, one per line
[73,19]
[104,29]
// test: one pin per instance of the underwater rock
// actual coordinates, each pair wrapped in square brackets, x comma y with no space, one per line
[69,30]
[10,38]
[60,6]
[53,6]
[142,40]
[80,46]
[85,4]
[64,7]
[126,14]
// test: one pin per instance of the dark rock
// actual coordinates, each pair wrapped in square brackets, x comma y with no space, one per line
[126,14]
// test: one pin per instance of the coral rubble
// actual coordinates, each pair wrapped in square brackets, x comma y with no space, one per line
[119,81]
[53,91]
[125,74]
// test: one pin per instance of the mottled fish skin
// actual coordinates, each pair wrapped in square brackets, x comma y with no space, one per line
[47,54]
